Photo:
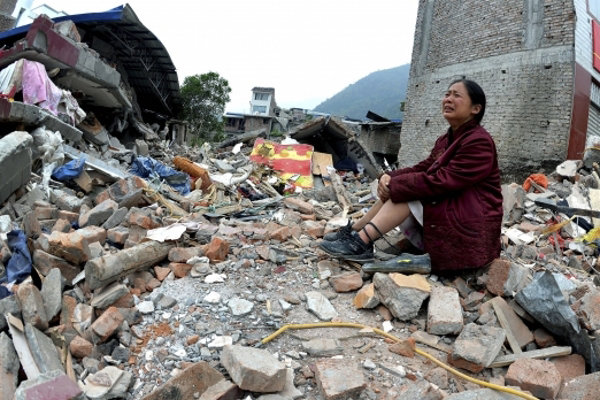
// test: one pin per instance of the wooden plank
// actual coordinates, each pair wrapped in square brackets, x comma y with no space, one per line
[512,341]
[325,175]
[320,161]
[595,203]
[554,351]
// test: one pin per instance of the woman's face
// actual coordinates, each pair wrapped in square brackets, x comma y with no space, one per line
[457,107]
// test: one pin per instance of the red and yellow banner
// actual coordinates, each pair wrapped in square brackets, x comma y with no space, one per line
[291,161]
[596,44]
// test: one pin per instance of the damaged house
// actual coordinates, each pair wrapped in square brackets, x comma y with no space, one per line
[99,76]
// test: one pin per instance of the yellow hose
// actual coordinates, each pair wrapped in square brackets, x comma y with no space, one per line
[394,338]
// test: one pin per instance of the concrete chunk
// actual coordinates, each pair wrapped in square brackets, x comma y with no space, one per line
[43,350]
[366,297]
[444,314]
[476,347]
[32,306]
[195,379]
[52,292]
[339,379]
[254,369]
[320,306]
[584,387]
[9,368]
[15,162]
[403,295]
[99,214]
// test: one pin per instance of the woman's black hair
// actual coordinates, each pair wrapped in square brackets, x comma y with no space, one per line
[476,94]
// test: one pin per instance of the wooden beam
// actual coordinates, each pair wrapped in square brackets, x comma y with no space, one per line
[554,351]
[512,340]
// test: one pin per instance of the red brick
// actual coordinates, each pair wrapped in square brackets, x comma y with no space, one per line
[180,269]
[44,262]
[313,229]
[570,366]
[346,282]
[497,274]
[125,301]
[93,234]
[217,249]
[46,212]
[80,347]
[62,225]
[297,204]
[281,234]
[72,247]
[585,387]
[118,235]
[543,338]
[539,377]
[142,220]
[107,324]
[68,215]
[182,254]
[161,272]
[405,348]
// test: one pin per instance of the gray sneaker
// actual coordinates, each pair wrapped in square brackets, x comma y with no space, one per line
[350,248]
[341,233]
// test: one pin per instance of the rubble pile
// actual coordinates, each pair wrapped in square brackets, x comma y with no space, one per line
[153,270]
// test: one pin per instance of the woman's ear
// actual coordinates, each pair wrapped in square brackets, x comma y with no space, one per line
[475,109]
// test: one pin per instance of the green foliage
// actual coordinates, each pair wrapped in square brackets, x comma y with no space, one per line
[204,98]
[381,92]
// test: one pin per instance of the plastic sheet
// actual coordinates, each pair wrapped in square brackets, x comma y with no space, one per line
[70,170]
[544,301]
[19,265]
[4,292]
[147,167]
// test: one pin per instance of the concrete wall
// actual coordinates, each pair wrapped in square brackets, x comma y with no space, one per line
[520,52]
[15,162]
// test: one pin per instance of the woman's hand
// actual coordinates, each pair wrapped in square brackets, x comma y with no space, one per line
[383,191]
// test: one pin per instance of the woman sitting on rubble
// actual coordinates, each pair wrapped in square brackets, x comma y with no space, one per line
[449,205]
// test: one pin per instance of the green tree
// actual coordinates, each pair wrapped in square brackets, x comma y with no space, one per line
[204,98]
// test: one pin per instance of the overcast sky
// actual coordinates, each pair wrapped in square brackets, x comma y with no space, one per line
[307,50]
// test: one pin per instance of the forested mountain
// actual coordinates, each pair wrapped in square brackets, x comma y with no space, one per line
[380,92]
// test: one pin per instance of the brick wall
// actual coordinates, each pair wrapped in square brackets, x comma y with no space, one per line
[521,53]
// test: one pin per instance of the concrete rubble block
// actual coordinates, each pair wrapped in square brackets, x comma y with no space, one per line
[402,294]
[339,379]
[32,306]
[476,347]
[322,347]
[31,225]
[116,218]
[590,310]
[585,387]
[15,162]
[109,295]
[539,377]
[319,305]
[280,234]
[73,246]
[8,305]
[183,254]
[118,235]
[54,385]
[9,368]
[254,369]
[141,148]
[101,271]
[81,317]
[108,383]
[366,297]
[66,201]
[126,192]
[107,324]
[51,292]
[45,262]
[99,214]
[222,390]
[346,282]
[444,314]
[61,225]
[570,367]
[300,205]
[194,379]
[93,234]
[43,350]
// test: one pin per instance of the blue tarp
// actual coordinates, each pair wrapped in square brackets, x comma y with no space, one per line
[70,170]
[147,167]
[19,265]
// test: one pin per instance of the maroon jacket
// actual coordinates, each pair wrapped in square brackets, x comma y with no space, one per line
[459,186]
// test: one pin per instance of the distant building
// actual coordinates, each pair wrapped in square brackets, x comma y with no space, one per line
[263,101]
[535,61]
